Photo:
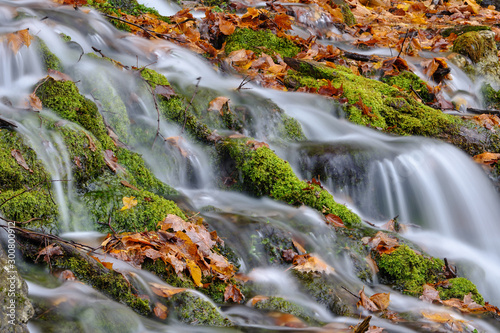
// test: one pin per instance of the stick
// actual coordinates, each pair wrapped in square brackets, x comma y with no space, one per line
[190,103]
[350,292]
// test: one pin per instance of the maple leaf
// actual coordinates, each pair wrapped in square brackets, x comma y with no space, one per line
[312,263]
[430,294]
[128,202]
[58,76]
[19,38]
[366,110]
[382,300]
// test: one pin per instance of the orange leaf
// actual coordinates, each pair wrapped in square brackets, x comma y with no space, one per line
[35,103]
[232,292]
[161,311]
[217,104]
[487,158]
[365,302]
[382,300]
[195,272]
[19,38]
[164,290]
[334,220]
[226,27]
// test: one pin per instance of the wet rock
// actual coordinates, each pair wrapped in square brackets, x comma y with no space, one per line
[16,309]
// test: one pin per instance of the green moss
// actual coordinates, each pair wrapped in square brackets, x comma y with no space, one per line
[458,288]
[65,100]
[391,110]
[491,96]
[193,310]
[49,59]
[285,306]
[408,81]
[461,29]
[265,174]
[470,44]
[104,201]
[36,203]
[110,283]
[349,18]
[12,175]
[290,129]
[139,175]
[153,77]
[407,270]
[260,41]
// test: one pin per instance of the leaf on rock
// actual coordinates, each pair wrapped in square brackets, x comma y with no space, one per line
[366,110]
[217,104]
[164,290]
[165,91]
[195,272]
[50,251]
[58,76]
[127,184]
[226,27]
[112,161]
[91,142]
[256,299]
[365,302]
[334,220]
[35,103]
[383,243]
[312,263]
[430,294]
[20,159]
[128,202]
[382,300]
[487,158]
[67,275]
[233,293]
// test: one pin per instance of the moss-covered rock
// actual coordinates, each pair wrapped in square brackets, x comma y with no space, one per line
[407,270]
[105,201]
[260,41]
[408,82]
[64,99]
[470,44]
[285,306]
[458,288]
[49,59]
[194,310]
[262,173]
[461,29]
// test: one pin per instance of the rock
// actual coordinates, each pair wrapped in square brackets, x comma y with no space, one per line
[480,49]
[16,309]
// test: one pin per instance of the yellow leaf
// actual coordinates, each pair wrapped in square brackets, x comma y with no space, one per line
[195,272]
[128,202]
[18,39]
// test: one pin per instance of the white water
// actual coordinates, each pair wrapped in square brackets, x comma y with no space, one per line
[423,181]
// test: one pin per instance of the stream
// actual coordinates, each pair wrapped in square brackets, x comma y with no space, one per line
[448,201]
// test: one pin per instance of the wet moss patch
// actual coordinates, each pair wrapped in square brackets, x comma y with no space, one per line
[458,288]
[260,41]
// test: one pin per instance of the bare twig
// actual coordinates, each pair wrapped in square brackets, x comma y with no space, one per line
[245,81]
[404,40]
[190,103]
[350,292]
[157,111]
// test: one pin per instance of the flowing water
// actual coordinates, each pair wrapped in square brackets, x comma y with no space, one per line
[428,184]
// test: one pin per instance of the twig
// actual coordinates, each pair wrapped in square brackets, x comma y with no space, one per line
[109,225]
[190,103]
[245,81]
[350,292]
[146,30]
[404,40]
[25,222]
[157,111]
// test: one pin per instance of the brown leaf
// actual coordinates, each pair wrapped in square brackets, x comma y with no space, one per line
[487,158]
[20,159]
[283,21]
[232,292]
[226,27]
[91,142]
[35,103]
[78,162]
[217,104]
[50,251]
[195,272]
[299,247]
[287,320]
[365,302]
[430,294]
[67,275]
[19,38]
[382,300]
[161,311]
[383,243]
[165,91]
[334,220]
[112,161]
[256,299]
[127,184]
[366,110]
[58,76]
[312,263]
[254,144]
[164,290]
[288,255]
[176,141]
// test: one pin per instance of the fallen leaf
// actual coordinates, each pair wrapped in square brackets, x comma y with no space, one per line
[127,184]
[430,294]
[19,38]
[256,299]
[128,202]
[334,220]
[20,159]
[487,158]
[35,103]
[195,272]
[382,300]
[233,293]
[312,263]
[67,275]
[365,302]
[165,91]
[286,319]
[161,311]
[58,76]
[91,142]
[217,104]
[164,290]
[50,251]
[112,161]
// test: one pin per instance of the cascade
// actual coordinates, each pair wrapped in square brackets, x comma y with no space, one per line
[447,201]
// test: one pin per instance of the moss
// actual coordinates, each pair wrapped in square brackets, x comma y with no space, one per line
[290,129]
[458,288]
[110,283]
[260,41]
[265,174]
[391,110]
[407,270]
[36,203]
[491,96]
[349,17]
[154,78]
[12,175]
[285,306]
[139,175]
[461,29]
[470,44]
[193,310]
[104,202]
[65,100]
[409,81]
[49,59]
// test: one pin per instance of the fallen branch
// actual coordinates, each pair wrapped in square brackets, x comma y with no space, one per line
[482,111]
